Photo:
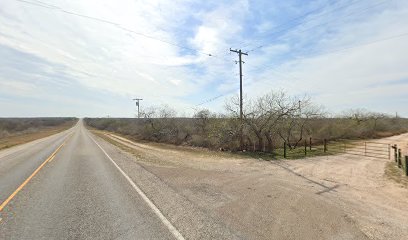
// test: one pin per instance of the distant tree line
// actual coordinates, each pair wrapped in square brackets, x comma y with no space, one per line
[268,121]
[15,126]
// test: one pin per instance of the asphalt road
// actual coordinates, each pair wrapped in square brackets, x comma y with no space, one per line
[78,194]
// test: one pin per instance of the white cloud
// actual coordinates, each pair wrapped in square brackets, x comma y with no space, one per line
[107,58]
[347,78]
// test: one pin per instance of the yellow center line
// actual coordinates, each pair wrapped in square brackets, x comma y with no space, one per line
[32,175]
[51,159]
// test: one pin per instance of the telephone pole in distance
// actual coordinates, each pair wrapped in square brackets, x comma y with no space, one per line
[240,53]
[137,104]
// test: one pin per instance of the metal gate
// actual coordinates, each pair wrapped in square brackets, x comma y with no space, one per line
[361,148]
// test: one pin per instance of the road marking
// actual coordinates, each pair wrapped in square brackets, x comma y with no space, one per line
[61,146]
[31,176]
[51,159]
[155,209]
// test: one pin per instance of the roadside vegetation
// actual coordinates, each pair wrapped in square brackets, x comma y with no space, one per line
[269,121]
[14,131]
[394,173]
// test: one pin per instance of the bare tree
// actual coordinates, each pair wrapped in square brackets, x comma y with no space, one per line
[294,123]
[273,114]
[160,123]
[277,103]
[358,115]
[202,120]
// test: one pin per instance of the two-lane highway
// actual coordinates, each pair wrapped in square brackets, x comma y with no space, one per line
[77,194]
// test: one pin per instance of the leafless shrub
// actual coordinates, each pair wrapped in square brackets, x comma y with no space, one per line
[268,121]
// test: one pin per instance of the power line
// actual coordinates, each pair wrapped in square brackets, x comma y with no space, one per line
[256,48]
[310,19]
[210,100]
[263,67]
[117,25]
[337,19]
[361,45]
[53,7]
[299,17]
[214,98]
[325,53]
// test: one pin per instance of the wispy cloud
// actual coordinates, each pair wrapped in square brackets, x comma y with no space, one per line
[159,50]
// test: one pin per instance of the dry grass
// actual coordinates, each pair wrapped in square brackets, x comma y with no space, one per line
[11,141]
[353,187]
[188,149]
[396,174]
[102,134]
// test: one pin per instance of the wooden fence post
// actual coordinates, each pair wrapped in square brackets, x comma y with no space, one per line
[365,148]
[399,158]
[389,152]
[284,149]
[310,144]
[406,165]
[305,147]
[325,145]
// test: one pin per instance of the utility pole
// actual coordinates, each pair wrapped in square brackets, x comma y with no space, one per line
[300,109]
[240,53]
[137,104]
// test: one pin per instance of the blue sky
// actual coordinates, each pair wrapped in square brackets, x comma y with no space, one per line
[90,58]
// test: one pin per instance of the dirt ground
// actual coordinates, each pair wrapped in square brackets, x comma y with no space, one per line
[21,138]
[328,197]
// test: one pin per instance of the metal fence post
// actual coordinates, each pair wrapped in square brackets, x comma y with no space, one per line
[284,149]
[325,145]
[310,144]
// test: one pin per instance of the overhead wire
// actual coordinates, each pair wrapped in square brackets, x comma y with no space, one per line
[117,25]
[265,66]
[248,43]
[337,19]
[52,7]
[310,19]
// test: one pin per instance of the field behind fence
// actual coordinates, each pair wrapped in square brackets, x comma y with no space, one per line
[323,147]
[320,147]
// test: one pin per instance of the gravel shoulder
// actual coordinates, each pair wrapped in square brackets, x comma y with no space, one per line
[331,197]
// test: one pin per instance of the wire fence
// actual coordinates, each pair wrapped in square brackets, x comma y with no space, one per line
[323,147]
[400,160]
[319,147]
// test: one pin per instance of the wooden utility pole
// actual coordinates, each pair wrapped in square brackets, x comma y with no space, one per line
[240,53]
[137,104]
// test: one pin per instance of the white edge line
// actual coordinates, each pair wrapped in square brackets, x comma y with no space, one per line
[156,210]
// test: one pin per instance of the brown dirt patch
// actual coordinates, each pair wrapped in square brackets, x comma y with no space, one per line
[11,141]
[329,197]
